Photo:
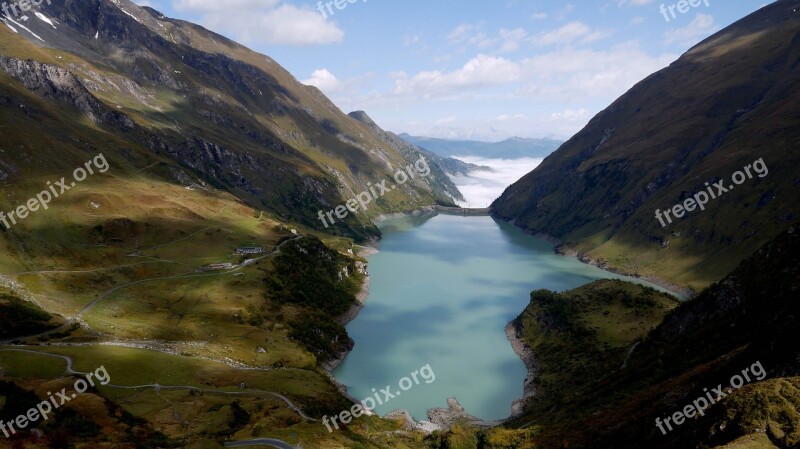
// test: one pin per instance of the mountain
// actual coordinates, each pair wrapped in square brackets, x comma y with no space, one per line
[513,148]
[208,108]
[480,132]
[174,147]
[729,104]
[745,325]
[448,165]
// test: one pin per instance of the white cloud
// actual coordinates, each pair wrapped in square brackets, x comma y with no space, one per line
[570,115]
[461,33]
[411,40]
[481,71]
[506,117]
[324,80]
[481,188]
[264,21]
[701,27]
[506,40]
[564,35]
[574,75]
[539,16]
[565,11]
[512,39]
[622,3]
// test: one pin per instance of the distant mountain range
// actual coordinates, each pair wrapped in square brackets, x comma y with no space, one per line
[482,132]
[513,148]
[447,164]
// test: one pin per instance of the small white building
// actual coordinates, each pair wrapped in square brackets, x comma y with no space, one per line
[249,250]
[218,266]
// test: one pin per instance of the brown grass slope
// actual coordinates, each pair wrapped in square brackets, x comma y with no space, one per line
[729,101]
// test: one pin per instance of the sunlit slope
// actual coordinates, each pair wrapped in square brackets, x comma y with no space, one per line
[729,101]
[235,116]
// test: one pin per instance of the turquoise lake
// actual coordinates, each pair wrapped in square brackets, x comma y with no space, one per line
[442,290]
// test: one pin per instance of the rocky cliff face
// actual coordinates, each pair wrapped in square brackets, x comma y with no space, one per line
[58,84]
[228,115]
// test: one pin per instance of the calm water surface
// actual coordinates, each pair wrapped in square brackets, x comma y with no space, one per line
[443,289]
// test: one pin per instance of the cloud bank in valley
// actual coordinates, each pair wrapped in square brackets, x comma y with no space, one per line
[480,188]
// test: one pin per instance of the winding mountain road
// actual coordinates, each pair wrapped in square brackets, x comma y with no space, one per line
[104,295]
[159,387]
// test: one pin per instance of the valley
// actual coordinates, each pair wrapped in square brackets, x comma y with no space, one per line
[250,265]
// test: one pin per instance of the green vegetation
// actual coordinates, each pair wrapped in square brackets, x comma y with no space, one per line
[320,335]
[92,421]
[242,152]
[585,334]
[309,274]
[747,317]
[322,283]
[19,317]
[699,120]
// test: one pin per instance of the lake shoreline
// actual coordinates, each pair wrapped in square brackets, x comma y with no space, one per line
[361,300]
[525,352]
[561,248]
[513,333]
[684,293]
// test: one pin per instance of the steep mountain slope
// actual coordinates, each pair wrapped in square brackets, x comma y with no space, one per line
[728,102]
[513,148]
[206,147]
[748,319]
[448,165]
[232,116]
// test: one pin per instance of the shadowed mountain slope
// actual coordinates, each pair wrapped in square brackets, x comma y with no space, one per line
[731,100]
[229,116]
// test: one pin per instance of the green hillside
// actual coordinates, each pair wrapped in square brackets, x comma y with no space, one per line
[225,115]
[596,397]
[728,102]
[209,147]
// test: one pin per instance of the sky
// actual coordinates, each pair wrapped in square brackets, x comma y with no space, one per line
[468,69]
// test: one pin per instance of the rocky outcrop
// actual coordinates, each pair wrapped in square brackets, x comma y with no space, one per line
[58,84]
[413,153]
[513,333]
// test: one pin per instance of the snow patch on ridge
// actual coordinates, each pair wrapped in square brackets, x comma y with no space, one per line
[23,27]
[45,19]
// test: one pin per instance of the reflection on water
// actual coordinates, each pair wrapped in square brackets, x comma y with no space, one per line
[442,290]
